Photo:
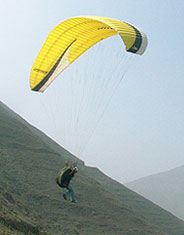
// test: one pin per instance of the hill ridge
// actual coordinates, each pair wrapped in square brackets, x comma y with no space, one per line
[166,191]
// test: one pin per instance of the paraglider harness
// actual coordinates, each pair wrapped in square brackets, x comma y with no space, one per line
[64,177]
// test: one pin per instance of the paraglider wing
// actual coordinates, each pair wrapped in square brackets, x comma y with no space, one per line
[71,38]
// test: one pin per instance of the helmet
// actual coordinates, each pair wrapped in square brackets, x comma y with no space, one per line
[75,169]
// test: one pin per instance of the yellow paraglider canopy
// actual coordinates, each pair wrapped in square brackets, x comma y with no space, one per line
[71,38]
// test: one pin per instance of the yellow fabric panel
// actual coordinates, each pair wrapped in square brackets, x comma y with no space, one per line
[125,30]
[61,174]
[75,36]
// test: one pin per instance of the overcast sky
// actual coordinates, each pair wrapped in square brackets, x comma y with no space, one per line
[139,129]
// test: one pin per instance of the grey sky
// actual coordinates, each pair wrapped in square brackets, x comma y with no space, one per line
[141,131]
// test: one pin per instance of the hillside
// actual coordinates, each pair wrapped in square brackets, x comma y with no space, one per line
[166,190]
[32,202]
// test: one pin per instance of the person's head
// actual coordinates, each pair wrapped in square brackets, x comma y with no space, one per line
[75,169]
